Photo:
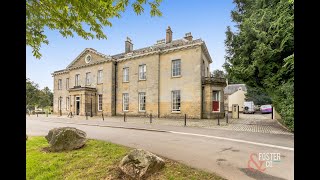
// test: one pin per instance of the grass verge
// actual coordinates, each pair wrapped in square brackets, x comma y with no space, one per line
[96,160]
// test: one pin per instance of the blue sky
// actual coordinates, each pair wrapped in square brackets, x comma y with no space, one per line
[205,19]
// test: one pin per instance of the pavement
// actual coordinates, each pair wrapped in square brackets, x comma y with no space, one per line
[261,123]
[227,153]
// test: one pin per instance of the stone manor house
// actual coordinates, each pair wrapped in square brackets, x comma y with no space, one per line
[168,79]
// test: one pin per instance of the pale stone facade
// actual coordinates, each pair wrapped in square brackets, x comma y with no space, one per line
[150,72]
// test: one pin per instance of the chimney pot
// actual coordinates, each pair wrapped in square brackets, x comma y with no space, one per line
[128,45]
[188,36]
[168,35]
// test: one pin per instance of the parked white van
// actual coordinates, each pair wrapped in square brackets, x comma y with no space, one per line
[248,107]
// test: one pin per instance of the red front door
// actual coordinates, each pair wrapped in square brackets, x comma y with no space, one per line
[215,105]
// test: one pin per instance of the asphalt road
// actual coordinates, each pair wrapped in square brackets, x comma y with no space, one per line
[224,153]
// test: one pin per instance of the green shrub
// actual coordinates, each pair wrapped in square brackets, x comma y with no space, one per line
[283,100]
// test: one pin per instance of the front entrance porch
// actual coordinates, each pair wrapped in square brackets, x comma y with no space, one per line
[212,98]
[83,101]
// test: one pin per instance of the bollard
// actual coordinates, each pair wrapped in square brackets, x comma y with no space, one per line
[218,120]
[124,117]
[37,114]
[185,119]
[150,118]
[271,112]
[86,116]
[47,113]
[102,116]
[227,117]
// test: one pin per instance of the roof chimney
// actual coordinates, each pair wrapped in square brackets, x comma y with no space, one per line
[128,45]
[168,35]
[188,36]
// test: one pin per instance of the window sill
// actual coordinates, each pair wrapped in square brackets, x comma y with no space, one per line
[216,111]
[125,81]
[142,111]
[175,112]
[176,76]
[100,110]
[142,79]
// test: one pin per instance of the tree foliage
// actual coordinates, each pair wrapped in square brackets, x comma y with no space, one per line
[219,74]
[36,97]
[260,51]
[69,16]
[258,96]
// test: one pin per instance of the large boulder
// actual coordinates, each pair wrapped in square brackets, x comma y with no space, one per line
[66,138]
[141,164]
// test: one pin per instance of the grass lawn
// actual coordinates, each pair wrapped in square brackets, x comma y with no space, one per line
[96,160]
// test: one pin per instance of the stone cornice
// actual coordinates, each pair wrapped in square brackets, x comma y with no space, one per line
[206,52]
[84,88]
[214,81]
[137,56]
[160,51]
[181,48]
[64,71]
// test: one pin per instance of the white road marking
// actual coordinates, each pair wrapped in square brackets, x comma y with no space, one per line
[235,140]
[177,132]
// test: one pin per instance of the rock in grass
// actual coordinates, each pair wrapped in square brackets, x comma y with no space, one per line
[141,164]
[65,139]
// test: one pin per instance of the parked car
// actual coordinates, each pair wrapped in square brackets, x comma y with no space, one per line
[248,107]
[266,109]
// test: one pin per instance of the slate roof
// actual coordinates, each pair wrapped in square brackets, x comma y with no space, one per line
[160,46]
[231,88]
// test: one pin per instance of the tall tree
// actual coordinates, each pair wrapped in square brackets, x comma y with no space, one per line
[36,97]
[32,94]
[260,51]
[258,96]
[45,97]
[69,16]
[219,73]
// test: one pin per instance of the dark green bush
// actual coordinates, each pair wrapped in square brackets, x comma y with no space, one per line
[283,100]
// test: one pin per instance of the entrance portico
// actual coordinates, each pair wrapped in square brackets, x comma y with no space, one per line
[83,101]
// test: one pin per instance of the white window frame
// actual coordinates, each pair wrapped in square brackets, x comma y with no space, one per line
[174,101]
[140,96]
[67,103]
[125,74]
[175,68]
[100,77]
[100,101]
[125,101]
[142,72]
[59,84]
[218,96]
[67,83]
[77,79]
[88,78]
